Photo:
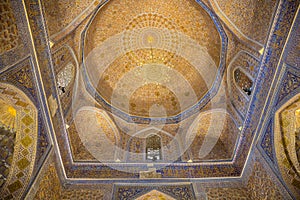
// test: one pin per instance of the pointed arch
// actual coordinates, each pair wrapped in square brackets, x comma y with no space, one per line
[286,140]
[153,147]
[18,116]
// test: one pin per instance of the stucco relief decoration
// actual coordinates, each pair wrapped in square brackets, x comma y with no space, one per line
[216,134]
[148,100]
[9,35]
[248,19]
[145,70]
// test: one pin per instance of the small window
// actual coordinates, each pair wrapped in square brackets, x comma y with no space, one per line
[64,78]
[153,148]
[243,81]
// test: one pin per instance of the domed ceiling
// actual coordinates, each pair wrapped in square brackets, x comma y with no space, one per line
[145,60]
[128,99]
[146,92]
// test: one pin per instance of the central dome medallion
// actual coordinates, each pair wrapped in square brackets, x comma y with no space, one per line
[143,60]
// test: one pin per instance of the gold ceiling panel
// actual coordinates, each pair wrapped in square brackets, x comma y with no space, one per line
[188,18]
[163,75]
[155,195]
[98,134]
[212,135]
[7,115]
[60,13]
[154,100]
[247,18]
[177,50]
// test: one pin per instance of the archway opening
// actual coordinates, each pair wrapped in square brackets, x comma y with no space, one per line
[153,148]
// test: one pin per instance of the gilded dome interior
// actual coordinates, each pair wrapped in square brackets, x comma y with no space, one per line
[151,57]
[149,99]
